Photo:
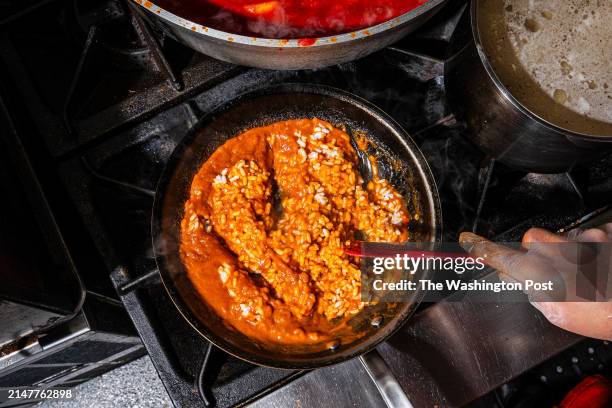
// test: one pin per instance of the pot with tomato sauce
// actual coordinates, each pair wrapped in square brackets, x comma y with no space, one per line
[287,34]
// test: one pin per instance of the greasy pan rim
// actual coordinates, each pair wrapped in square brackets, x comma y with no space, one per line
[286,42]
[432,201]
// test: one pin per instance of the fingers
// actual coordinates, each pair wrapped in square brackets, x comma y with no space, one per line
[608,228]
[519,265]
[593,235]
[541,235]
[570,316]
[503,259]
[542,241]
[602,233]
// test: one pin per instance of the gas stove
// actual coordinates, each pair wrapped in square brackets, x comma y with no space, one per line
[101,100]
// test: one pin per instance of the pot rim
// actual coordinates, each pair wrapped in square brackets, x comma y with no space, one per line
[305,42]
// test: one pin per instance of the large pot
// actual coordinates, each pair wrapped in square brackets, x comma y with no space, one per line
[286,53]
[497,122]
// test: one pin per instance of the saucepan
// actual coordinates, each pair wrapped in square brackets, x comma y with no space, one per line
[497,122]
[292,53]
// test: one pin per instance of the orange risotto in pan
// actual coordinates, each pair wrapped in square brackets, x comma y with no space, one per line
[266,224]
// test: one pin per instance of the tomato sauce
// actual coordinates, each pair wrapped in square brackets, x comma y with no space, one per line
[283,276]
[289,18]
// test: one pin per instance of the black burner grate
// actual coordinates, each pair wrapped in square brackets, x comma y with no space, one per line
[87,68]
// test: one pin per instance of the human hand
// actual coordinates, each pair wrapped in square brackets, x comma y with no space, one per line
[548,257]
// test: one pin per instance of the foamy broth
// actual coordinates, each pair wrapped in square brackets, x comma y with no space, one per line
[555,57]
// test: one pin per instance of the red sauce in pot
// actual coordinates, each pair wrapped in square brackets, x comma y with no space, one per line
[289,18]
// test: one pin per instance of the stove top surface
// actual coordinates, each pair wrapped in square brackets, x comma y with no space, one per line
[109,114]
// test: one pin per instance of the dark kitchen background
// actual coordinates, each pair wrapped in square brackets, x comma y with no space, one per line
[92,103]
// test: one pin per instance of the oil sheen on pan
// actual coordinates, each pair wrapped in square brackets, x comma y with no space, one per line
[289,18]
[266,225]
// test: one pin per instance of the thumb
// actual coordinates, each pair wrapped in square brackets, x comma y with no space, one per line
[570,316]
[518,265]
[507,261]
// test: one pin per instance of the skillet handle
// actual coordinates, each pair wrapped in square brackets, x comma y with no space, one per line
[387,385]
